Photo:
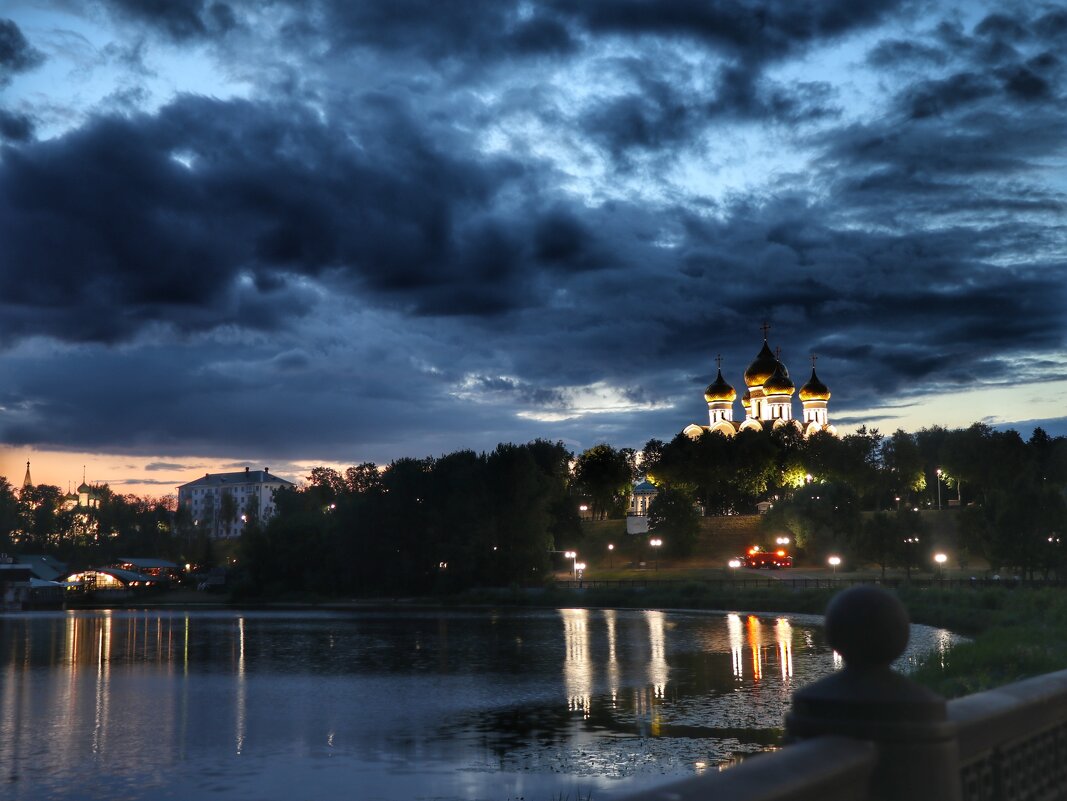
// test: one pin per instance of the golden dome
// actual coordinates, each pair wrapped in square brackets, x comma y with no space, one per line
[761,368]
[814,389]
[746,399]
[719,390]
[779,383]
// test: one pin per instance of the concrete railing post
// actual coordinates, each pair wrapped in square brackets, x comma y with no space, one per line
[918,755]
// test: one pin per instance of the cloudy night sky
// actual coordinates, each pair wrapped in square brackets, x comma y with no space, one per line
[295,233]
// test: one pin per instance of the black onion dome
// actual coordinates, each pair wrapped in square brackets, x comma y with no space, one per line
[719,390]
[761,368]
[814,389]
[779,383]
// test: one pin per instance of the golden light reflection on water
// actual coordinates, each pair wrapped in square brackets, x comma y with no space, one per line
[577,662]
[103,684]
[755,642]
[94,657]
[783,633]
[737,643]
[658,669]
[613,657]
[242,690]
[749,634]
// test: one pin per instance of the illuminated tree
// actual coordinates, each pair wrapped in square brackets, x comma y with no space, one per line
[903,467]
[672,517]
[821,517]
[606,476]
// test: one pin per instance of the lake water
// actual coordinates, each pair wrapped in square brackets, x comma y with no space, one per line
[437,705]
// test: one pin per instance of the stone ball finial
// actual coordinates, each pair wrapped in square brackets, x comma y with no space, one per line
[868,626]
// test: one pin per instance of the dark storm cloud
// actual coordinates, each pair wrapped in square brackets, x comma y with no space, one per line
[16,54]
[475,30]
[152,400]
[236,189]
[900,52]
[970,141]
[915,247]
[653,116]
[663,113]
[15,127]
[754,32]
[741,95]
[180,19]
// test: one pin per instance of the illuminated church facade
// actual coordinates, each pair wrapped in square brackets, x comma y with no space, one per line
[768,400]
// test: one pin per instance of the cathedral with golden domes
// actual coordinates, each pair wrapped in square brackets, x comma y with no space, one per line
[768,399]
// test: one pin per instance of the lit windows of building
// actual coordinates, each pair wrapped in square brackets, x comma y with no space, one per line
[250,495]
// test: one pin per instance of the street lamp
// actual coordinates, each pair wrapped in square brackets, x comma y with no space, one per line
[939,489]
[940,558]
[579,569]
[834,562]
[655,542]
[573,556]
[909,553]
[782,541]
[611,555]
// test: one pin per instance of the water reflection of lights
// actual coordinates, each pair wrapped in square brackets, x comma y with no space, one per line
[658,669]
[241,689]
[737,643]
[755,642]
[613,661]
[942,644]
[838,661]
[783,633]
[103,679]
[577,666]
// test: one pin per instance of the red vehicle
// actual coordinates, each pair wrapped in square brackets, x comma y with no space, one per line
[773,560]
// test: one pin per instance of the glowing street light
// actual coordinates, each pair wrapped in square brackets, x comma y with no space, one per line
[834,562]
[656,542]
[782,541]
[940,558]
[611,555]
[735,563]
[573,556]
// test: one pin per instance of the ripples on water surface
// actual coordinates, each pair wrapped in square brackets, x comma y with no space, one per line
[396,705]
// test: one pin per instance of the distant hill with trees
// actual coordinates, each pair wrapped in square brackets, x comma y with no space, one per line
[469,519]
